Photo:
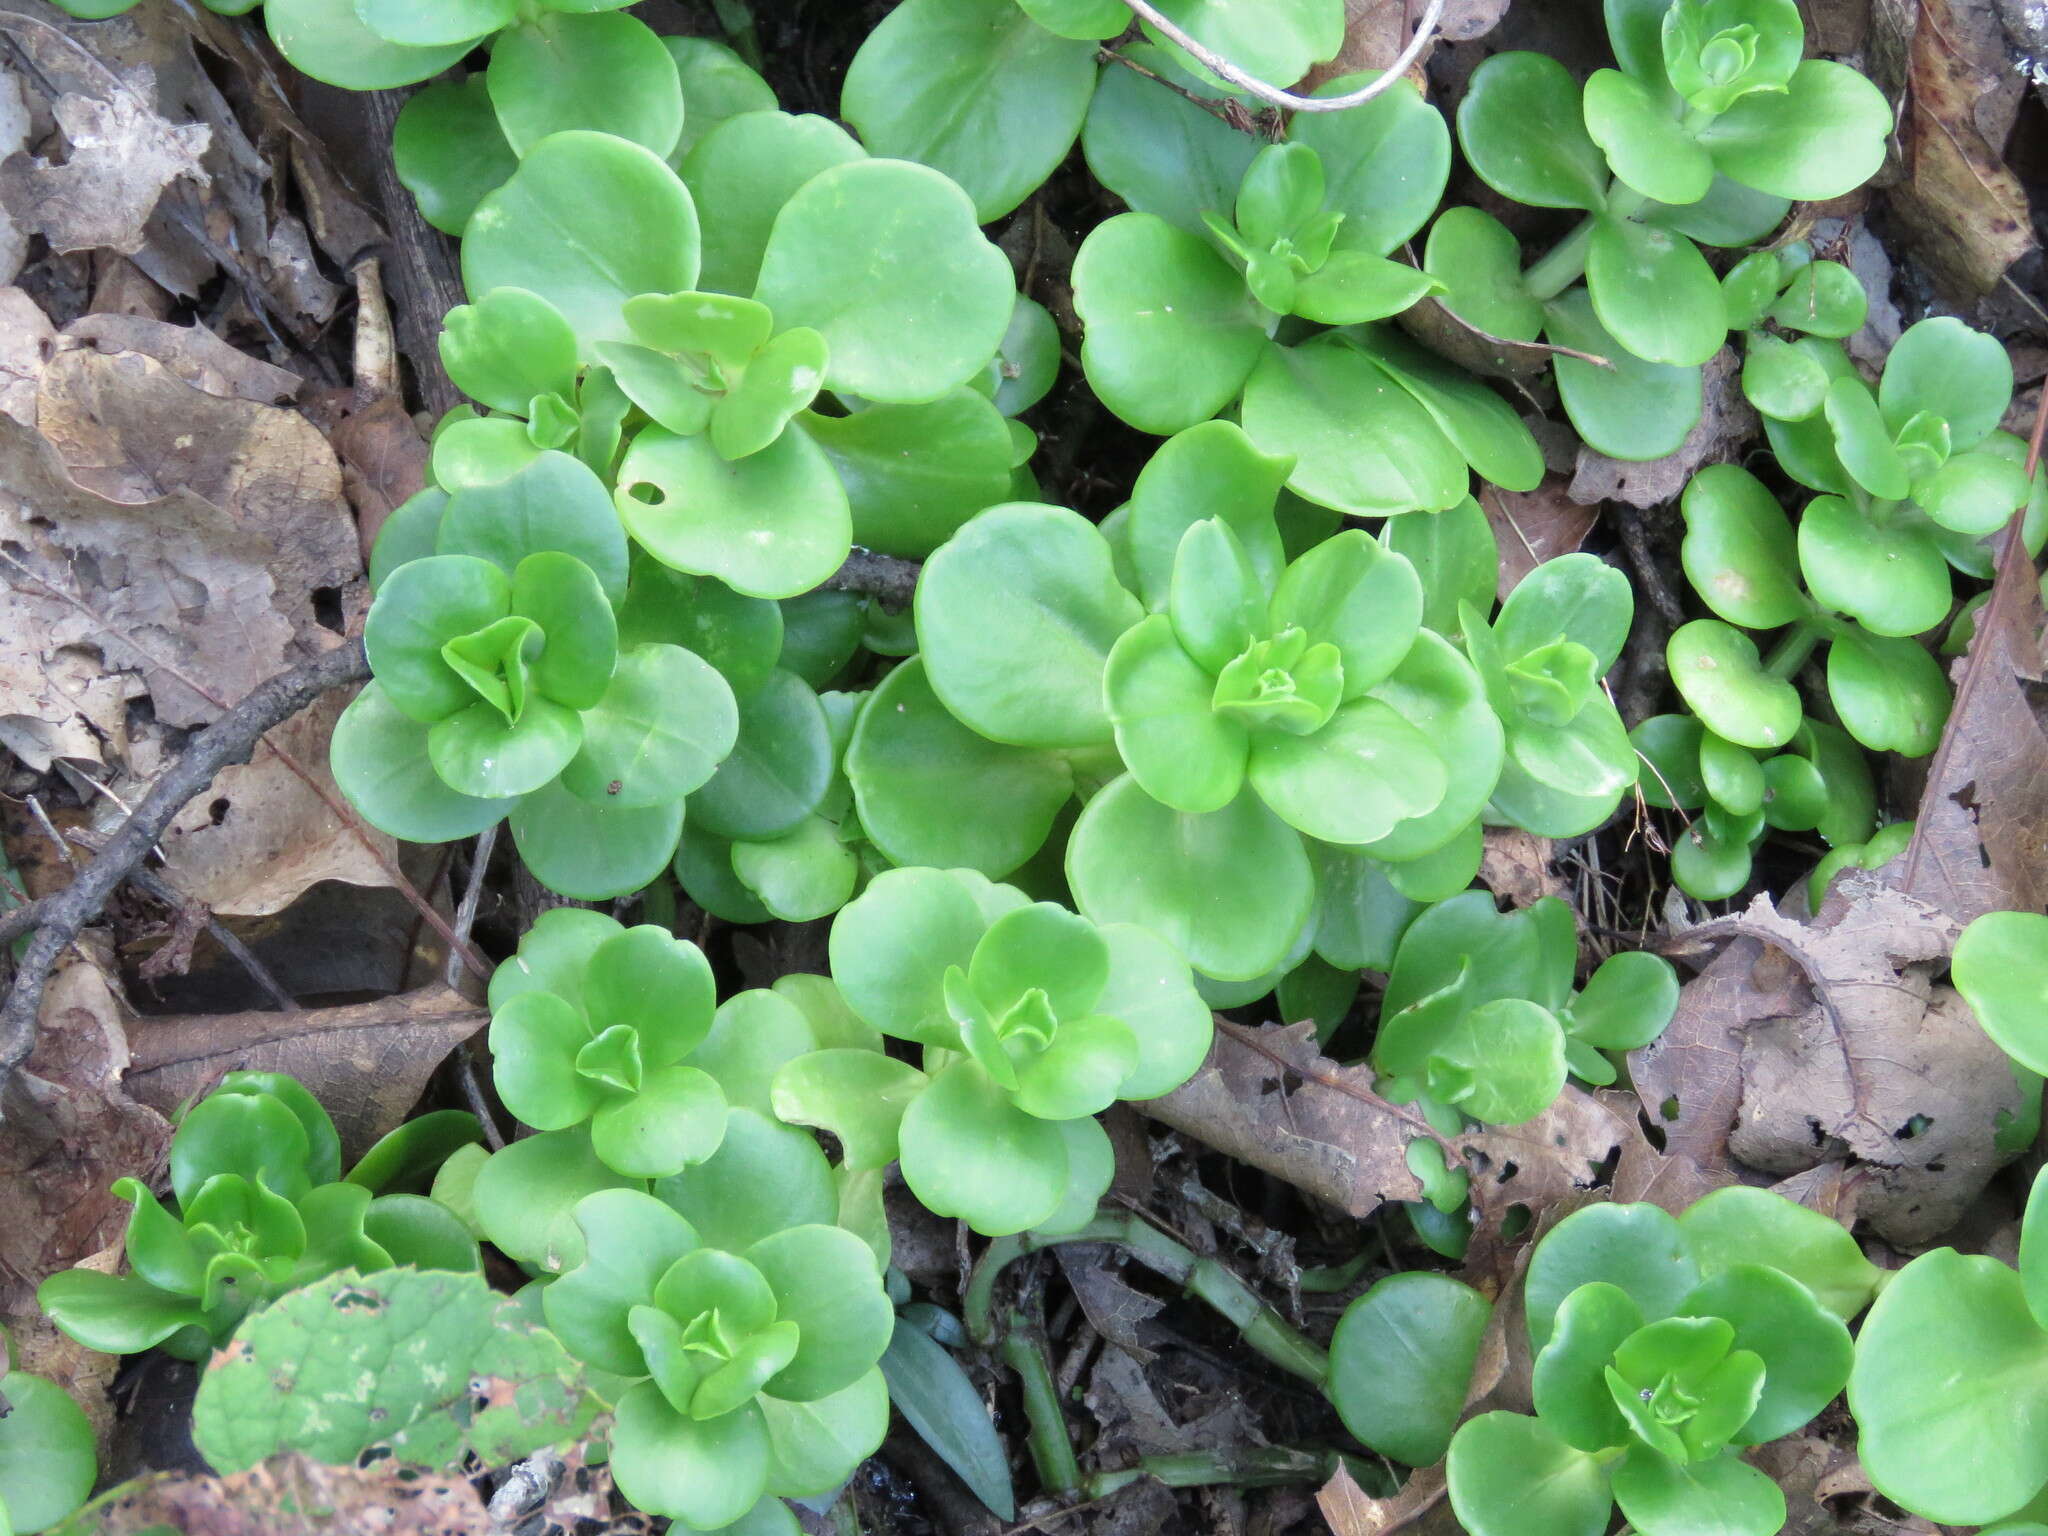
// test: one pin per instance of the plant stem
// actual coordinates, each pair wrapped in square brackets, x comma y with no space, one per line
[1790,653]
[1563,266]
[1250,1467]
[1265,1330]
[1051,1451]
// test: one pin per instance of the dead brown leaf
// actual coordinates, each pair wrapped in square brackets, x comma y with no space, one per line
[1959,206]
[368,1062]
[1350,1511]
[1871,1061]
[1516,865]
[1376,31]
[292,1496]
[1534,526]
[119,154]
[193,353]
[1980,841]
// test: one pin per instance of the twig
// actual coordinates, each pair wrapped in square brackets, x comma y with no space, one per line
[885,577]
[230,739]
[423,274]
[465,919]
[1221,67]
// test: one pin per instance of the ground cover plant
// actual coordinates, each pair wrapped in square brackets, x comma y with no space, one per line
[1265,769]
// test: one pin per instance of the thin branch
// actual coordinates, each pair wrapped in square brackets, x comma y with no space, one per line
[230,739]
[1221,67]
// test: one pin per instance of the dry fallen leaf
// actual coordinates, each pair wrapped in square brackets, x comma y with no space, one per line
[1851,1052]
[118,154]
[368,1062]
[1350,1511]
[292,1496]
[193,353]
[1958,205]
[1531,527]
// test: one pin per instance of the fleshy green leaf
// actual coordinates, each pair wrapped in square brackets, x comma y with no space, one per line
[606,72]
[1522,129]
[1510,1475]
[1400,1362]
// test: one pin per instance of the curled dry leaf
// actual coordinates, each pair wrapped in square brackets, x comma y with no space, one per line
[1855,1053]
[1351,1511]
[289,1496]
[367,1062]
[118,155]
[193,353]
[1534,526]
[1958,204]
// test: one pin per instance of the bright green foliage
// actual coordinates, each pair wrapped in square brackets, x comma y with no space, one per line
[1542,660]
[1712,125]
[434,1366]
[502,685]
[47,1458]
[1820,783]
[1183,300]
[1950,1387]
[1480,1017]
[938,1399]
[1663,1346]
[259,1207]
[753,1369]
[2001,968]
[1401,1361]
[591,1021]
[1032,1020]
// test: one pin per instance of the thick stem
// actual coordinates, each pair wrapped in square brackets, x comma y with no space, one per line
[1052,1452]
[1250,1467]
[1565,264]
[1265,1330]
[1790,653]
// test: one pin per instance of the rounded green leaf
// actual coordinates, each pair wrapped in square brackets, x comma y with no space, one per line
[1891,694]
[1385,162]
[1723,680]
[740,175]
[968,1151]
[1132,860]
[1172,332]
[779,768]
[1354,780]
[1644,144]
[1668,748]
[1277,41]
[507,347]
[1627,1002]
[553,504]
[587,222]
[115,1314]
[606,72]
[1782,381]
[1436,690]
[1016,615]
[1943,367]
[814,1447]
[1822,136]
[1863,439]
[1628,409]
[1638,1248]
[1569,1381]
[534,1040]
[329,41]
[1510,1476]
[421,607]
[379,760]
[1805,1349]
[773,524]
[802,875]
[1654,292]
[892,946]
[884,260]
[1176,745]
[859,1096]
[906,762]
[478,752]
[1720,1496]
[705,1472]
[527,1192]
[764,1177]
[825,1281]
[1209,471]
[1824,298]
[593,852]
[47,1460]
[1739,553]
[1480,424]
[1151,990]
[437,22]
[1479,261]
[1400,1362]
[1893,578]
[1576,597]
[2001,968]
[1351,593]
[630,1241]
[1973,493]
[1522,129]
[915,473]
[974,88]
[676,1119]
[449,151]
[253,1136]
[717,84]
[1950,1380]
[1157,150]
[665,723]
[1361,442]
